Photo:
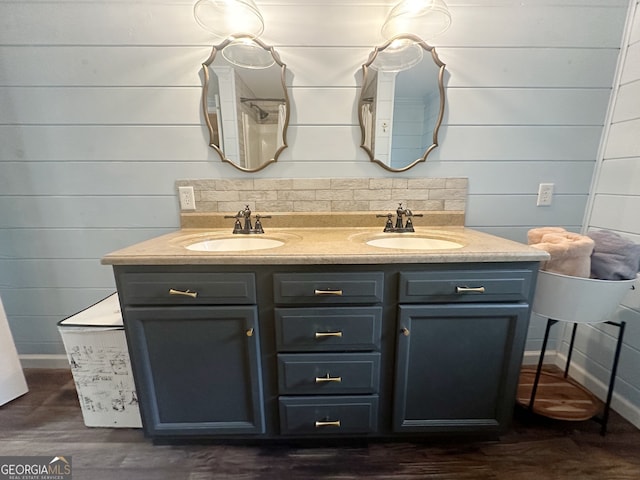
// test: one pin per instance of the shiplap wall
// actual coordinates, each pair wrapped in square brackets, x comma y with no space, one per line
[615,205]
[100,114]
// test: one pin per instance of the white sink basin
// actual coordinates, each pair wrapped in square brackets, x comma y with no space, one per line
[414,243]
[234,244]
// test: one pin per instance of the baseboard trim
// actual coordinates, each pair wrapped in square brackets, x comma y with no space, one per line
[532,357]
[44,361]
[620,404]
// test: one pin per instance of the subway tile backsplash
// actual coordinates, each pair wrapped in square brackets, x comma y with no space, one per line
[329,194]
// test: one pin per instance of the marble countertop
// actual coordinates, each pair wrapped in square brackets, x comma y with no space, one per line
[326,245]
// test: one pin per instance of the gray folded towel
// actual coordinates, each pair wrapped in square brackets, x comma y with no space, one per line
[614,257]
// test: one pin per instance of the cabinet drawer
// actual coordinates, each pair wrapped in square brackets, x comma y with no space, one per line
[188,288]
[328,288]
[328,329]
[313,373]
[328,415]
[465,286]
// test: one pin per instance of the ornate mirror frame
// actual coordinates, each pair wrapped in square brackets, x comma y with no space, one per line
[205,91]
[366,74]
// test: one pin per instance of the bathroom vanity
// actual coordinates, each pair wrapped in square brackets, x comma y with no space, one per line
[326,336]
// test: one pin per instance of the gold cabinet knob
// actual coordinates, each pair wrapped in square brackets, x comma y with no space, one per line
[249,332]
[405,331]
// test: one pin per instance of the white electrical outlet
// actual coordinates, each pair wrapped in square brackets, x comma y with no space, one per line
[187,198]
[545,194]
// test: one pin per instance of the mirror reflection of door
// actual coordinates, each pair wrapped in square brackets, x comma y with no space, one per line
[246,104]
[401,103]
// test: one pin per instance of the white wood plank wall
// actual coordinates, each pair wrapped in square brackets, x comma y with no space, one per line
[99,115]
[615,206]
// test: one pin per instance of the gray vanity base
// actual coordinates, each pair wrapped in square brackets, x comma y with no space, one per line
[312,352]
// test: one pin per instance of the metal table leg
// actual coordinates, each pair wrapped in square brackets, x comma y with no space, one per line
[573,339]
[550,323]
[612,379]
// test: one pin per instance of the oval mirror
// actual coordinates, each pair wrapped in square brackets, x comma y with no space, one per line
[402,102]
[245,102]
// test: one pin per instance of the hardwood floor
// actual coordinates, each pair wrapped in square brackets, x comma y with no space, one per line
[48,421]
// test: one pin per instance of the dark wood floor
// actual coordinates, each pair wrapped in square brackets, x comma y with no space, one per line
[48,421]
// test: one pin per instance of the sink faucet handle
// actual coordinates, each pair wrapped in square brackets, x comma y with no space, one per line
[409,214]
[257,227]
[408,226]
[237,226]
[388,224]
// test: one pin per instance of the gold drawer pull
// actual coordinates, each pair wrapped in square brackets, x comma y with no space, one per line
[469,289]
[249,332]
[328,424]
[337,293]
[405,331]
[328,334]
[186,293]
[327,378]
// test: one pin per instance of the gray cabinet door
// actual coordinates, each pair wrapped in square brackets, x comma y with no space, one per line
[457,366]
[198,369]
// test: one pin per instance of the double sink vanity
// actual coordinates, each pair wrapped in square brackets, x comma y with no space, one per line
[331,332]
[338,328]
